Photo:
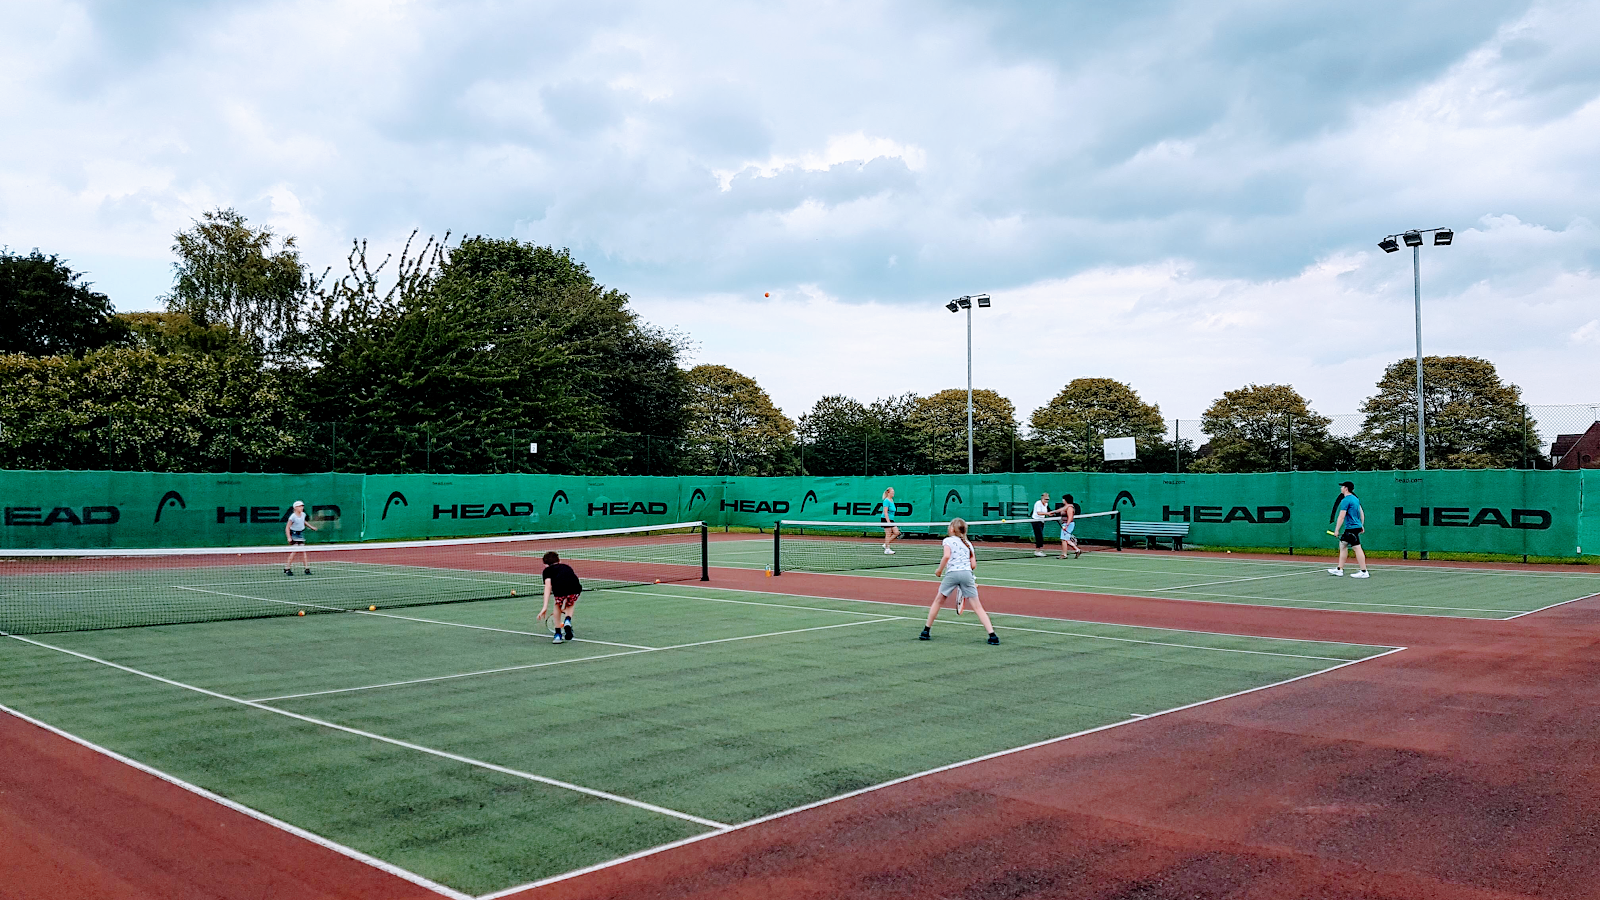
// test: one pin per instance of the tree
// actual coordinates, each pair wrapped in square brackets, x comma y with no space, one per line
[1069,431]
[1473,419]
[1251,430]
[841,436]
[733,427]
[940,422]
[49,310]
[229,273]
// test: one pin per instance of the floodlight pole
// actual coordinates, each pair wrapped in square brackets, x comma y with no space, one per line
[1442,237]
[1416,292]
[969,389]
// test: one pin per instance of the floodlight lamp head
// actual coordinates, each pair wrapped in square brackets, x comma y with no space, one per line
[1412,238]
[1389,244]
[983,301]
[966,302]
[953,306]
[1443,237]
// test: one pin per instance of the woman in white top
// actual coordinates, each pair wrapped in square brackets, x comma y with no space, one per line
[294,528]
[890,530]
[955,571]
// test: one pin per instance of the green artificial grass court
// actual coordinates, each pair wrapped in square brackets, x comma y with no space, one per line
[1433,590]
[424,733]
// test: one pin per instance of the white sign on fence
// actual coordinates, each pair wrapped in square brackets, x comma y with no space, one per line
[1121,448]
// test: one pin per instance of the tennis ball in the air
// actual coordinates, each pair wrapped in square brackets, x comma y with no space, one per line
[768,294]
[302,612]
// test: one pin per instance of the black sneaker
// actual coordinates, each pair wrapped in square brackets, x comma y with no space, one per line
[568,630]
[288,571]
[994,638]
[924,636]
[308,571]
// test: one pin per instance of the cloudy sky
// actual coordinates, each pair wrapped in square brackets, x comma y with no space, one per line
[1183,196]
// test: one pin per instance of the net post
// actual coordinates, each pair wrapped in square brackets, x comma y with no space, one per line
[705,552]
[1118,525]
[777,548]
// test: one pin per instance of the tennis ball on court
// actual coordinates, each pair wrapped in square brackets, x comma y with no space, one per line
[302,612]
[658,581]
[513,593]
[371,608]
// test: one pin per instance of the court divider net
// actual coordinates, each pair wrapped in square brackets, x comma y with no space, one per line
[802,546]
[77,590]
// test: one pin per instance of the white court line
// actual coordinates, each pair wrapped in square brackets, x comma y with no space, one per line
[442,754]
[1094,637]
[366,612]
[259,816]
[1184,587]
[747,637]
[1128,592]
[1263,637]
[506,892]
[1374,564]
[1551,606]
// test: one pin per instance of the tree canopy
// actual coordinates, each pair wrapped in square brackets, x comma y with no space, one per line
[733,427]
[940,422]
[1267,428]
[1069,431]
[229,273]
[1473,419]
[48,309]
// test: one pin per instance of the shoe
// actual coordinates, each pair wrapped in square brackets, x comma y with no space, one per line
[994,638]
[1038,553]
[288,571]
[308,571]
[1335,572]
[924,636]
[1077,553]
[567,621]
[557,639]
[567,630]
[887,552]
[1360,574]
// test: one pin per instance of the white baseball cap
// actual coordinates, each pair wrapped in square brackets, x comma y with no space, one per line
[299,503]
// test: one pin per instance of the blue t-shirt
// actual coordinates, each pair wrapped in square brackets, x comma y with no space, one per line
[1351,507]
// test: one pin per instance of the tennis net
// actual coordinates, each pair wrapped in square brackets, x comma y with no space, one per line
[844,546]
[78,590]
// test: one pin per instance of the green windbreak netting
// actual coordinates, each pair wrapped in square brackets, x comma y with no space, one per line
[1493,511]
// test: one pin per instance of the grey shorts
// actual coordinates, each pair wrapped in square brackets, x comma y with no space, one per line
[959,578]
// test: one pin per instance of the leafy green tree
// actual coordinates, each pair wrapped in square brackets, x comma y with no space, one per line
[940,423]
[229,273]
[1473,419]
[139,408]
[1251,431]
[49,310]
[734,429]
[841,436]
[1069,431]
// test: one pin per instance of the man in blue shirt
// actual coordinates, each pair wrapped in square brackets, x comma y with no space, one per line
[1347,525]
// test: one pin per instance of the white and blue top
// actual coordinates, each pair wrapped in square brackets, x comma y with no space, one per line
[960,555]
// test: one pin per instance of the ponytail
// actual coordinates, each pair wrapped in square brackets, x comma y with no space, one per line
[958,529]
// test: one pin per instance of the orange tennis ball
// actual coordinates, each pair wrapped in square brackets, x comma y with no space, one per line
[371,608]
[658,581]
[768,294]
[302,612]
[513,593]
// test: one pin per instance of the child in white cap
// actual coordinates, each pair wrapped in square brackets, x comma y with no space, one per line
[294,527]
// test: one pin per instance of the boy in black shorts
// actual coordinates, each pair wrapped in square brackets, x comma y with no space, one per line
[561,585]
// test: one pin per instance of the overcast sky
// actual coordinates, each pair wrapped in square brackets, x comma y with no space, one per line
[1183,196]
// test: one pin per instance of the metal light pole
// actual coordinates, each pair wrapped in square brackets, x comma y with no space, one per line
[1441,238]
[957,305]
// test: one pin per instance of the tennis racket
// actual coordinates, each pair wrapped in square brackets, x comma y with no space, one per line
[1329,532]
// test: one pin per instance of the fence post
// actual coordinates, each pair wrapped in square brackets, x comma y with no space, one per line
[333,447]
[1291,442]
[1524,440]
[1177,446]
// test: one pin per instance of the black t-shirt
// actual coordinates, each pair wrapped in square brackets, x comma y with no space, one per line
[563,581]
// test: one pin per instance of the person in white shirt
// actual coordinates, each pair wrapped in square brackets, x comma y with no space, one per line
[294,528]
[890,530]
[956,577]
[1041,513]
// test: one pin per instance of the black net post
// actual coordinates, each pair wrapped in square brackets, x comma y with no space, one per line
[1118,526]
[777,548]
[705,552]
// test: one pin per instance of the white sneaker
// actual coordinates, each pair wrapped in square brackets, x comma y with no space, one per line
[1335,571]
[1038,553]
[1360,574]
[888,552]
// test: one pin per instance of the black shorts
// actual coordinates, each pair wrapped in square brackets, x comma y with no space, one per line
[1351,536]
